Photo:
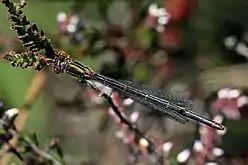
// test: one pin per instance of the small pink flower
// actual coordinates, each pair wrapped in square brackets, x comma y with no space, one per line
[134,116]
[167,146]
[183,156]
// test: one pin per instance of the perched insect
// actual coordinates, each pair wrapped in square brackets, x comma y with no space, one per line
[174,107]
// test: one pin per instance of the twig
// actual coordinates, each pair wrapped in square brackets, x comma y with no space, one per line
[125,121]
[31,95]
[41,153]
[115,109]
[34,147]
[27,145]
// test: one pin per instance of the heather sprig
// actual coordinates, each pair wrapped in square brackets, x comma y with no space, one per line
[27,59]
[27,149]
[36,42]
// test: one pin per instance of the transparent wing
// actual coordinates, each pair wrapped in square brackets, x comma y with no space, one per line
[169,113]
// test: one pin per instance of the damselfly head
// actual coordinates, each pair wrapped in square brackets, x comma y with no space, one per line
[62,54]
[59,61]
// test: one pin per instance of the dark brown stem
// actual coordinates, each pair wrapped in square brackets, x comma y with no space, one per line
[31,96]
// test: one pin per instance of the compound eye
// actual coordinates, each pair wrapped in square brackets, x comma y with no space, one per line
[63,54]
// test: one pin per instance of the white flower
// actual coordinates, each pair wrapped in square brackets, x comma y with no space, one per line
[12,112]
[223,93]
[218,152]
[119,134]
[234,93]
[163,20]
[198,146]
[61,17]
[134,116]
[242,101]
[153,8]
[143,142]
[127,101]
[183,156]
[71,28]
[167,147]
[211,163]
[230,42]
[242,49]
[161,12]
[218,118]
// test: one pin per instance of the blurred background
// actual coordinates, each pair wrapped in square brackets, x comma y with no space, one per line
[194,48]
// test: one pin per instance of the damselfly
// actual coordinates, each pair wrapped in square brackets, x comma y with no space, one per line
[176,108]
